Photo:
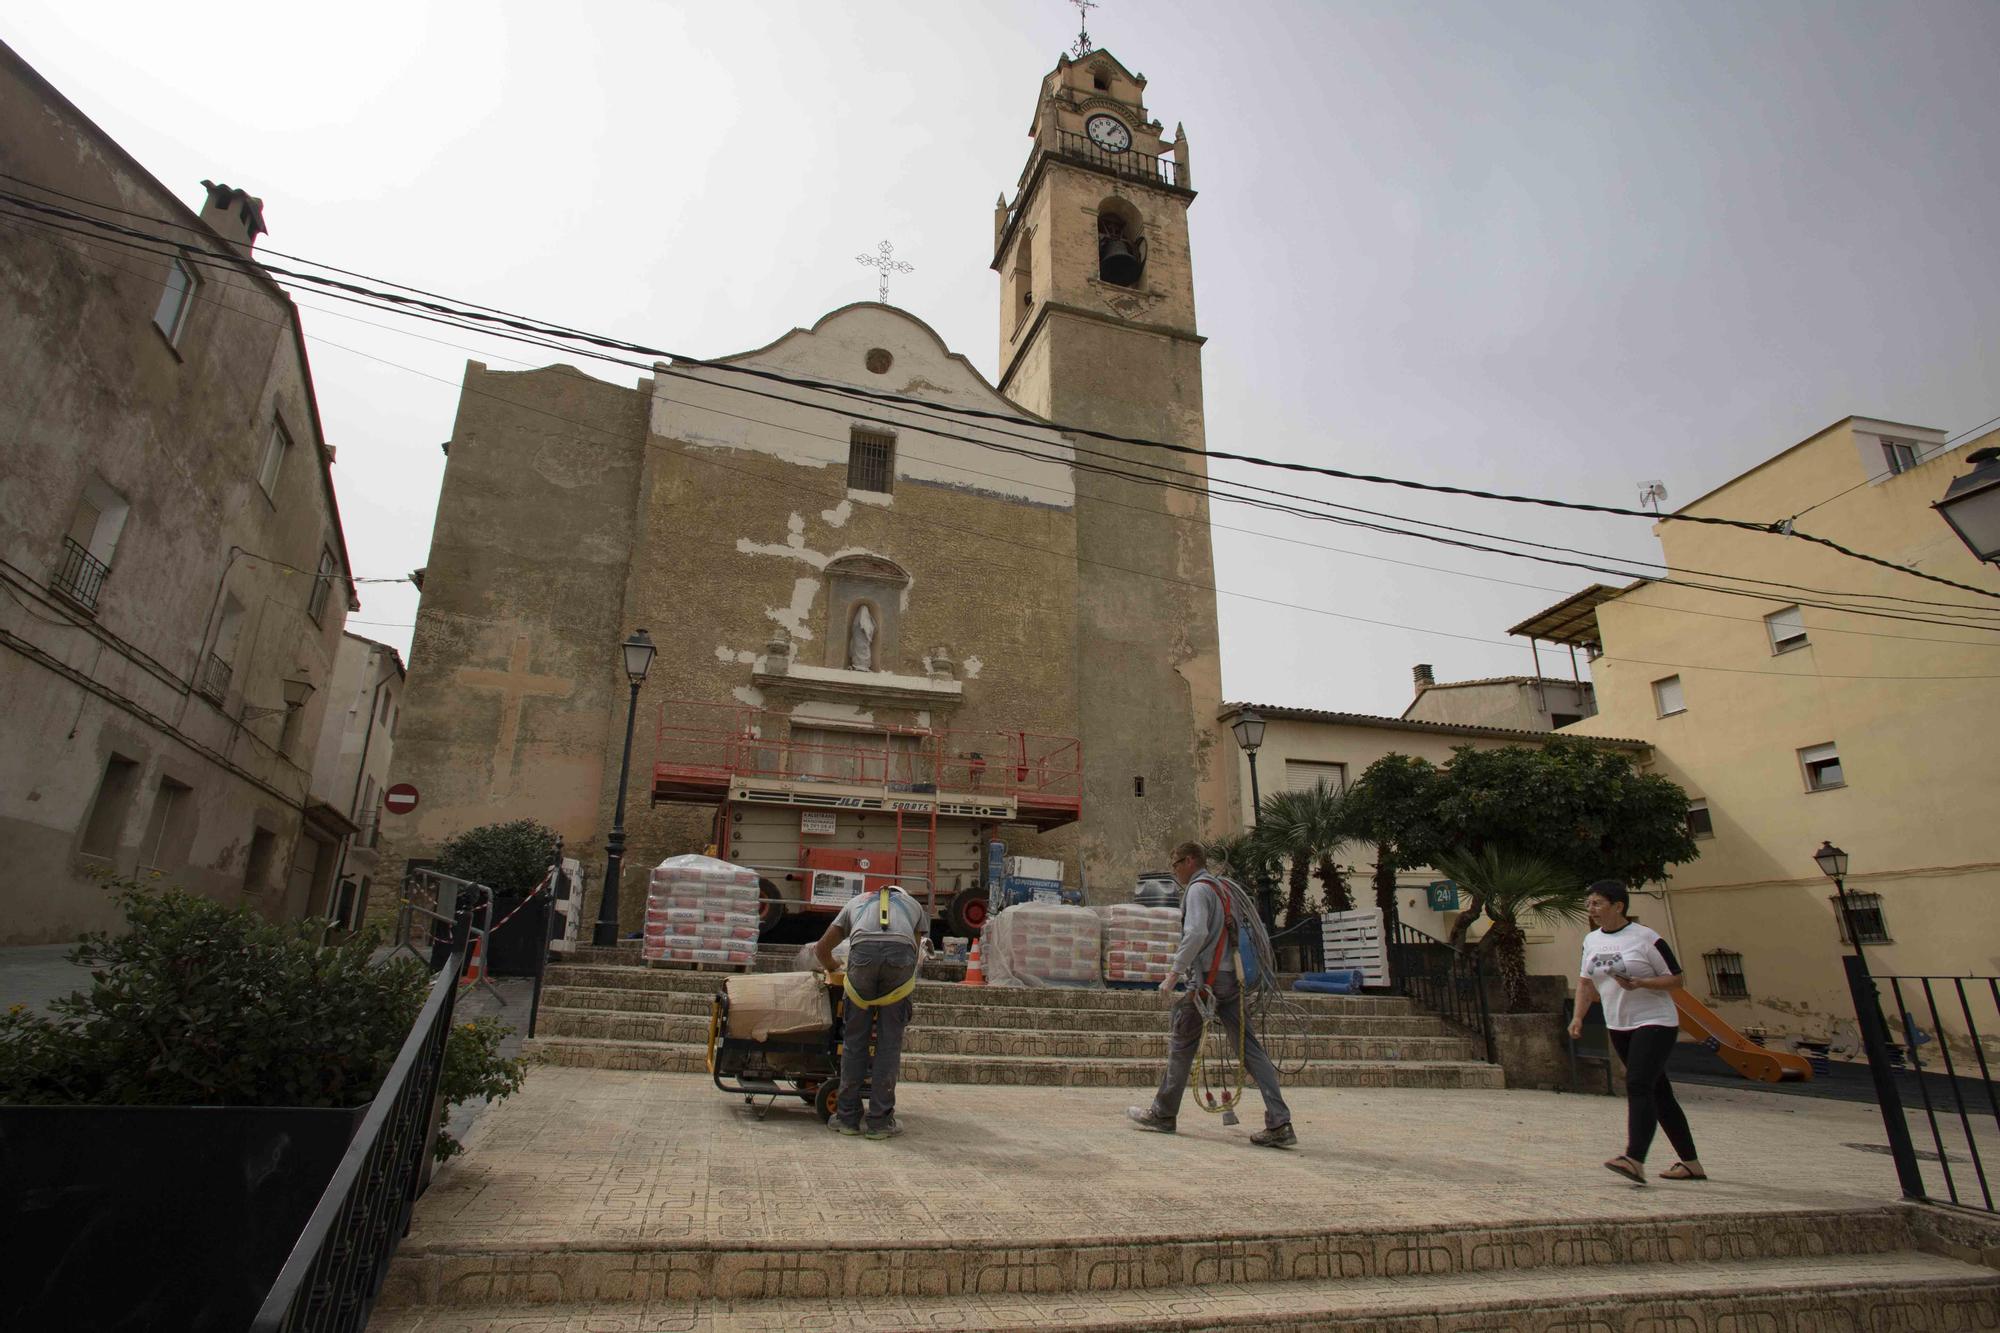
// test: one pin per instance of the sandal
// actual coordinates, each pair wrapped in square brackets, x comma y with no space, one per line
[1626,1167]
[1682,1171]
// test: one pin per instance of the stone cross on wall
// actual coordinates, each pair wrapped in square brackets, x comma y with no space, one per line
[883,263]
[514,685]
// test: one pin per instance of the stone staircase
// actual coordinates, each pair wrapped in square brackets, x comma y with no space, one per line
[605,1014]
[1850,1269]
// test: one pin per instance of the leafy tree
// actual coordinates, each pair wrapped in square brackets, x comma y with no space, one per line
[1585,809]
[1510,886]
[1308,827]
[198,1004]
[507,858]
[1394,806]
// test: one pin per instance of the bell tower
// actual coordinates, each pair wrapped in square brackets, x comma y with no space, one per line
[1097,330]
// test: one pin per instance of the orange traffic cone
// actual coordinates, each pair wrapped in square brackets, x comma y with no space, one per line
[974,974]
[472,973]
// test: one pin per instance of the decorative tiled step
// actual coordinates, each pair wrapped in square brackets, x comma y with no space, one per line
[929,1038]
[932,992]
[437,1274]
[605,999]
[1905,1292]
[659,1057]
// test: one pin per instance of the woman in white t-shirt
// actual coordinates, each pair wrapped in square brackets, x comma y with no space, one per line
[1633,972]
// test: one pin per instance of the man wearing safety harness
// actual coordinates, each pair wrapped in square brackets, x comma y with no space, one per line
[887,929]
[1208,959]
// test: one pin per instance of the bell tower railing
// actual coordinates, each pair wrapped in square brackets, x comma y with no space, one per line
[1131,164]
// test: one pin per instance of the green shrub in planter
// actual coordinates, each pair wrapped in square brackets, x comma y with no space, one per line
[198,1004]
[507,858]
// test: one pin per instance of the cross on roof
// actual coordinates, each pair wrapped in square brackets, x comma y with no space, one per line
[885,264]
[1083,8]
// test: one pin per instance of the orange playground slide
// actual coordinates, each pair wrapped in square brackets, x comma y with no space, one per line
[1740,1053]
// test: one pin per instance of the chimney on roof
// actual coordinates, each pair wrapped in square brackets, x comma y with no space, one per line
[1422,671]
[237,216]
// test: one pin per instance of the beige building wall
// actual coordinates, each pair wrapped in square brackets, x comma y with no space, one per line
[1910,708]
[1523,703]
[141,690]
[1303,745]
[356,750]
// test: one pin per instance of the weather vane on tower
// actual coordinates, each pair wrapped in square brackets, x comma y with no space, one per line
[884,263]
[1083,8]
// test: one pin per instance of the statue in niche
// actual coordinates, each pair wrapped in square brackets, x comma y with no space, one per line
[861,640]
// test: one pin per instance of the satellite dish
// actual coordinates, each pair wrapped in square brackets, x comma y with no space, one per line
[1652,494]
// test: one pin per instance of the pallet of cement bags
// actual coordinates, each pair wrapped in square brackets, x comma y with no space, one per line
[1044,944]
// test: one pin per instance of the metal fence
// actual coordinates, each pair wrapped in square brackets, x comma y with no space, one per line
[1443,978]
[335,1271]
[78,574]
[1940,1034]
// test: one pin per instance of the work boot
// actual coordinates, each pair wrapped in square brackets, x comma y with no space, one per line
[1279,1136]
[839,1126]
[888,1129]
[1145,1117]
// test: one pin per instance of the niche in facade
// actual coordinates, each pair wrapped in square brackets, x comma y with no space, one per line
[864,613]
[1121,243]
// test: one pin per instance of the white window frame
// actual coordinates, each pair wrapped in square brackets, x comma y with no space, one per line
[1700,803]
[1821,754]
[1901,456]
[272,465]
[1668,689]
[1786,618]
[170,316]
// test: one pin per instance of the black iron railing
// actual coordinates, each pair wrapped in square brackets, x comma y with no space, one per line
[79,575]
[1938,1024]
[335,1271]
[215,674]
[1443,978]
[1301,947]
[1137,165]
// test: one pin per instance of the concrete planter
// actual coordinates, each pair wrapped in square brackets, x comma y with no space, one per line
[155,1217]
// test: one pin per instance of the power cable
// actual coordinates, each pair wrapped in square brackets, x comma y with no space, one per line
[464,310]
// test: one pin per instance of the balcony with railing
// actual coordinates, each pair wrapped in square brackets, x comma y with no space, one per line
[79,575]
[215,675]
[707,753]
[1131,163]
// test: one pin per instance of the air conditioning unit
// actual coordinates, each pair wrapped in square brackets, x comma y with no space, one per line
[832,888]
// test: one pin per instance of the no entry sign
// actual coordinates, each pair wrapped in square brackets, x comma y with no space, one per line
[400,799]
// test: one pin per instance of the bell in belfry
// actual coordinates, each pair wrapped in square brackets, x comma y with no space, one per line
[1120,259]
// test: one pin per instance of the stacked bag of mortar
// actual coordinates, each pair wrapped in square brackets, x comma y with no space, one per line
[1044,944]
[1139,942]
[701,910]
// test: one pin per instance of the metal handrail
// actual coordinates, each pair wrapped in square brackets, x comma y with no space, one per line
[215,676]
[335,1270]
[1442,977]
[463,891]
[1923,995]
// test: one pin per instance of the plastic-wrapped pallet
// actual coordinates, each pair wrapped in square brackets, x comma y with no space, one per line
[1140,941]
[701,910]
[1044,944]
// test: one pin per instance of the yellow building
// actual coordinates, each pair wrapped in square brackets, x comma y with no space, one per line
[1792,722]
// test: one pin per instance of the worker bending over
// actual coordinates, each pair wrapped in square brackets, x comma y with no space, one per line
[887,931]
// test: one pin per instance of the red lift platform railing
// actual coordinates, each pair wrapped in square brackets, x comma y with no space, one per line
[704,749]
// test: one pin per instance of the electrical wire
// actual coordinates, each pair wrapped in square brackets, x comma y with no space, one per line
[1002,539]
[484,315]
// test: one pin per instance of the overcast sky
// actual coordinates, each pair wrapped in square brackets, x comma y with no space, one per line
[1559,249]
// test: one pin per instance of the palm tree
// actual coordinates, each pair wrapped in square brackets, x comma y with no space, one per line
[1307,827]
[1512,886]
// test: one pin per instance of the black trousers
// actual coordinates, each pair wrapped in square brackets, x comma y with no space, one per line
[1649,1098]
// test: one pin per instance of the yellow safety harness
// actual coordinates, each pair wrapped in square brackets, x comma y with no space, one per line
[901,992]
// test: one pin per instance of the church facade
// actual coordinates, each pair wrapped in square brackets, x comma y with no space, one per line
[889,630]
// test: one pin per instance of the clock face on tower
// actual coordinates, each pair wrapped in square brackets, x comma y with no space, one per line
[1108,133]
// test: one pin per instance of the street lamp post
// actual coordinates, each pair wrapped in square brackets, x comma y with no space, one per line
[1249,729]
[1971,504]
[638,651]
[1874,1030]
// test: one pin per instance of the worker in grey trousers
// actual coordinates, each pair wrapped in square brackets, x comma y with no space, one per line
[888,932]
[1205,958]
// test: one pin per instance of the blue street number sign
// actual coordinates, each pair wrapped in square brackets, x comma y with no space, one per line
[1443,895]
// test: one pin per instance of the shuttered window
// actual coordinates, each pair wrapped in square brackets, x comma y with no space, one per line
[1822,767]
[1667,696]
[1788,629]
[1305,774]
